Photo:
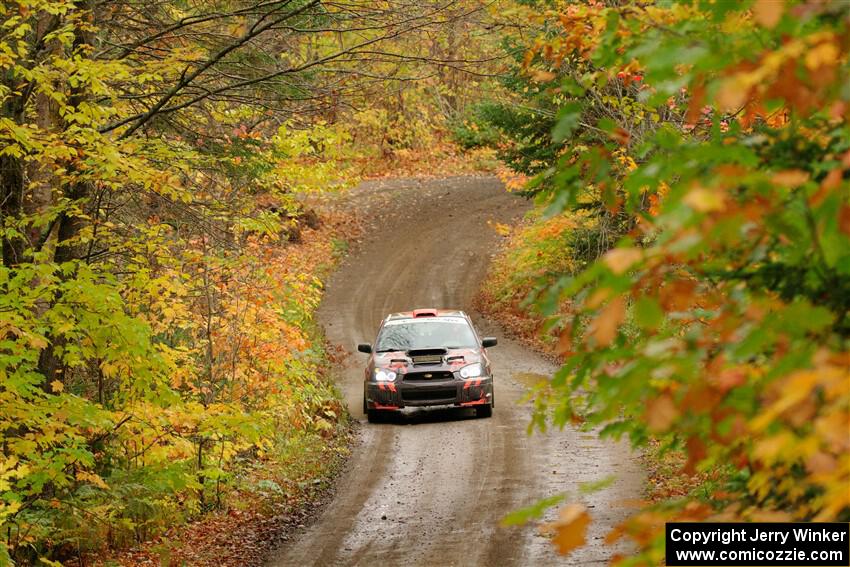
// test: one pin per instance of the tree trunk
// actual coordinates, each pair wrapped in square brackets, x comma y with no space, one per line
[68,225]
[11,206]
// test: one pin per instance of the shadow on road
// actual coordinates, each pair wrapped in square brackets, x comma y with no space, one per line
[421,415]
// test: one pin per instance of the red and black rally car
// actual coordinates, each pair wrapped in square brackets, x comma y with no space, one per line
[428,357]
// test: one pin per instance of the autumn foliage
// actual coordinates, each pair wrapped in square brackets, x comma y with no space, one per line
[162,258]
[709,143]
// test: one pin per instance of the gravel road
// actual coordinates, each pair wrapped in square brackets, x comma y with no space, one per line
[429,488]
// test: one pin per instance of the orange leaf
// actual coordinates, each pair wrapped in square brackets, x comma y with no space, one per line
[696,103]
[660,413]
[543,76]
[790,177]
[621,259]
[768,12]
[604,327]
[570,528]
[821,463]
[565,341]
[57,386]
[732,95]
[696,453]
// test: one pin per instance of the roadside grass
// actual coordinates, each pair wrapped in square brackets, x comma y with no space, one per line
[271,495]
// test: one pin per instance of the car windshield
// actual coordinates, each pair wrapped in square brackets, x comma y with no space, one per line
[444,332]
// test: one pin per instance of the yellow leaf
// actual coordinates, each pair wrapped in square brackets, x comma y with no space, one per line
[768,12]
[825,54]
[621,259]
[501,229]
[570,528]
[57,386]
[704,200]
[770,449]
[85,476]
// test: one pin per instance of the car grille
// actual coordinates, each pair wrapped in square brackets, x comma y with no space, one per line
[436,375]
[422,395]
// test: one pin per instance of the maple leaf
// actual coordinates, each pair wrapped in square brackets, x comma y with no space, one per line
[604,327]
[570,528]
[661,412]
[565,341]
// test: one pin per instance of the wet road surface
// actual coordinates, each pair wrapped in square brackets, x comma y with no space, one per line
[429,488]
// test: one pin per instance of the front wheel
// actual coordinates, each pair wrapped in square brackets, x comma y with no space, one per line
[372,416]
[484,411]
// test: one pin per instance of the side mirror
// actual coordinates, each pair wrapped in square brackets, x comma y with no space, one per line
[487,342]
[365,347]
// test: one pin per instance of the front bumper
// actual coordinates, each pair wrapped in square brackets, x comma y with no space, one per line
[401,394]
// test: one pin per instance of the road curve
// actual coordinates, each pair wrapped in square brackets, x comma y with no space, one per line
[430,488]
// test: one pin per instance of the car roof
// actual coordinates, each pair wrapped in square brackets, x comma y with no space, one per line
[423,313]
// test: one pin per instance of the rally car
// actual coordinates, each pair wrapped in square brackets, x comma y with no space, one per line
[427,357]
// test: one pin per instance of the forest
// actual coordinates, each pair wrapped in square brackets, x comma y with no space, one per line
[165,168]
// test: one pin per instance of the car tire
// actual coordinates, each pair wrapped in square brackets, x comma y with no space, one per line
[365,407]
[484,411]
[372,416]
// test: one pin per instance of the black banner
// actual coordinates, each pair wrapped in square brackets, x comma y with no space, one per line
[760,544]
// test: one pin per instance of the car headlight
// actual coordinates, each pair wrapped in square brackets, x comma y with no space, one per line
[472,371]
[384,375]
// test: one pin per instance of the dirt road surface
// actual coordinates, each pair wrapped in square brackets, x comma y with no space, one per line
[429,488]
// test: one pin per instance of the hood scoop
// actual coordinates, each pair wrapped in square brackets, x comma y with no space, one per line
[422,356]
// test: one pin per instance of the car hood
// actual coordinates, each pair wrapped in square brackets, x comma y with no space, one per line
[426,359]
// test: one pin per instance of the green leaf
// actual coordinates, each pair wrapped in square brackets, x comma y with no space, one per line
[569,117]
[536,510]
[648,314]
